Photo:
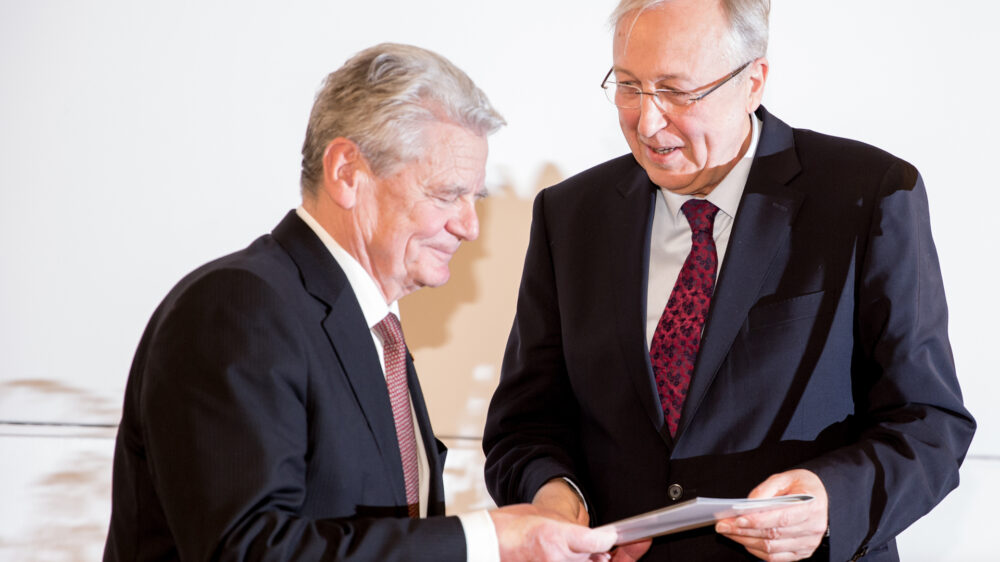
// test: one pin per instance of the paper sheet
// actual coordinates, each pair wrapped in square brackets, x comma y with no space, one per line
[694,513]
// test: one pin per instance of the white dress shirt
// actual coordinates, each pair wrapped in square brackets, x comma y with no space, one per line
[478,526]
[670,239]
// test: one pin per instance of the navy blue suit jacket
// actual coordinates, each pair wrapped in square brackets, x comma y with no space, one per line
[825,347]
[257,424]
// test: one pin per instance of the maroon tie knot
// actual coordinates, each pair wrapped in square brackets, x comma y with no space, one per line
[390,330]
[700,214]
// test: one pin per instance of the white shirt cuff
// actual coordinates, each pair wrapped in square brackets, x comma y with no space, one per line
[480,537]
[578,493]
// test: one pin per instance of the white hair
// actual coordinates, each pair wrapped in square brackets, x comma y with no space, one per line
[748,24]
[382,98]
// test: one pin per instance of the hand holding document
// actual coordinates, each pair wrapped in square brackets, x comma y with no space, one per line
[694,513]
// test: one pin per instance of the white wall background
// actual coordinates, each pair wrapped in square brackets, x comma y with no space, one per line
[140,139]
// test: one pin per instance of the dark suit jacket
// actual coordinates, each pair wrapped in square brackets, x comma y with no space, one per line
[257,424]
[825,347]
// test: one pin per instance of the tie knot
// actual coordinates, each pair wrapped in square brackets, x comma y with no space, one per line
[389,330]
[700,214]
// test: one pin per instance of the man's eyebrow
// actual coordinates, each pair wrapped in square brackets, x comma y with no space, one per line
[658,79]
[459,190]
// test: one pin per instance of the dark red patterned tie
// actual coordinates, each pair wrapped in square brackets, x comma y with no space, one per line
[399,396]
[675,341]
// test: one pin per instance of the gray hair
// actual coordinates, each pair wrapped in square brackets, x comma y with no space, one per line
[748,25]
[382,98]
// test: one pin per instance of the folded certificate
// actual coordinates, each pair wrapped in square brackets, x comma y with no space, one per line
[694,513]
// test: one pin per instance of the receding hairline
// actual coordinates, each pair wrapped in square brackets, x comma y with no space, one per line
[745,32]
[631,18]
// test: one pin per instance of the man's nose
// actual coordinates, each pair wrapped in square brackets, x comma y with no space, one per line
[652,118]
[465,224]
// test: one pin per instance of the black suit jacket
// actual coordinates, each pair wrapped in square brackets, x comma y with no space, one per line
[257,424]
[825,348]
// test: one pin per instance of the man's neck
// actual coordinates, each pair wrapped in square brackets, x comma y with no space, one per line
[343,229]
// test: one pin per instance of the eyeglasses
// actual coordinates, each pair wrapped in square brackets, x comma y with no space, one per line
[629,96]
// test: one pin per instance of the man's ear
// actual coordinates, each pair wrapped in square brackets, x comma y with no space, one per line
[345,171]
[758,77]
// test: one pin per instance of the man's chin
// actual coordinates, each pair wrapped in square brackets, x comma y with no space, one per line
[435,278]
[680,183]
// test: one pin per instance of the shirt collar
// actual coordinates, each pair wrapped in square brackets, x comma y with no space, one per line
[369,296]
[726,196]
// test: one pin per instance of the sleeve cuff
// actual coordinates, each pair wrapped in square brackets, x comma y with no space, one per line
[481,543]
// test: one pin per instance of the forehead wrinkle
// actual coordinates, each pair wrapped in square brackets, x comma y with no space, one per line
[446,176]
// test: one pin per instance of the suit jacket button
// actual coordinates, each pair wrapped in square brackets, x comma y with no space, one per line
[675,491]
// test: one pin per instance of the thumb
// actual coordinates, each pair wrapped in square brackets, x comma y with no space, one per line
[591,540]
[775,485]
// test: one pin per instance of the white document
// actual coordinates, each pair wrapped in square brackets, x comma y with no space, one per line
[694,513]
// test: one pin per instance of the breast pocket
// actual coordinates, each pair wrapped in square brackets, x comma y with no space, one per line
[777,313]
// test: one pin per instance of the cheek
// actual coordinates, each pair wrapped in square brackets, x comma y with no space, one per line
[628,126]
[693,133]
[629,122]
[427,225]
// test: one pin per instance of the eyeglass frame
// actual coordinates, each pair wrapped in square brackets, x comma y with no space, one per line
[689,101]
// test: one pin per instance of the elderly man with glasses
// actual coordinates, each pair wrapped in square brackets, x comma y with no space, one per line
[736,308]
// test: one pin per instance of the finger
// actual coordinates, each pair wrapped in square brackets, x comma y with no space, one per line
[774,533]
[632,551]
[808,529]
[582,539]
[775,485]
[621,556]
[778,518]
[776,556]
[780,549]
[782,556]
[798,546]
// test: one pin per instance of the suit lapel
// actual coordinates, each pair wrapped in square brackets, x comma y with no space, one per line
[763,223]
[435,493]
[628,254]
[347,330]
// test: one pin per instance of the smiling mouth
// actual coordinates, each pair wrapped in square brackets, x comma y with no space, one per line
[666,150]
[447,254]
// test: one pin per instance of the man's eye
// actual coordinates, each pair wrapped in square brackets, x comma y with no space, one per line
[673,96]
[446,197]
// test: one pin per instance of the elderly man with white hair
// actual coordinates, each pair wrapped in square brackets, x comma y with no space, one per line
[272,410]
[735,308]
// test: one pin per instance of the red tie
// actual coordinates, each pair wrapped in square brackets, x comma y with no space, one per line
[678,334]
[399,396]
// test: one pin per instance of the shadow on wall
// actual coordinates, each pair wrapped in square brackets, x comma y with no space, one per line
[457,332]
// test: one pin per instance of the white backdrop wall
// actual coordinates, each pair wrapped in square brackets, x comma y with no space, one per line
[140,139]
